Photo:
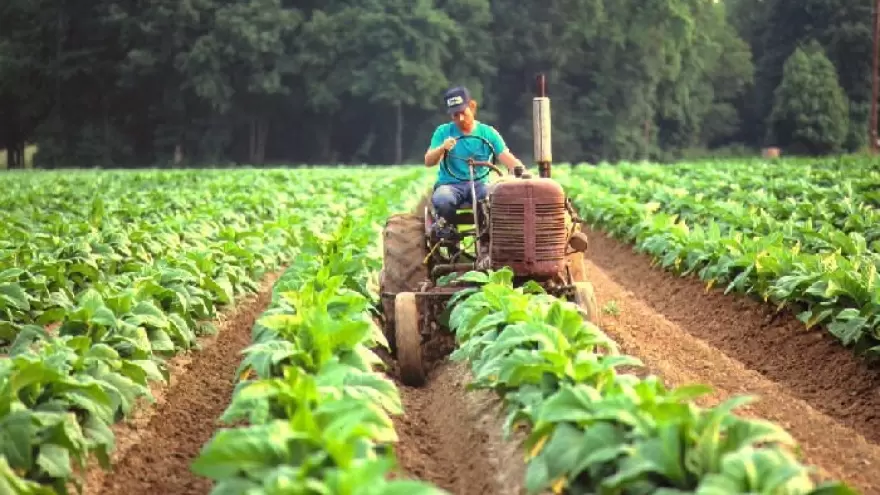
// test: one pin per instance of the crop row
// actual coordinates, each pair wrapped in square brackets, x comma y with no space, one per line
[593,429]
[822,210]
[756,228]
[313,413]
[114,272]
[183,241]
[319,415]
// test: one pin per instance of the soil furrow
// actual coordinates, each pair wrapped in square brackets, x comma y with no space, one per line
[155,448]
[686,335]
[453,438]
[811,364]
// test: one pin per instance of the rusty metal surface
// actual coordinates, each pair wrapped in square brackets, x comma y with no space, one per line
[527,231]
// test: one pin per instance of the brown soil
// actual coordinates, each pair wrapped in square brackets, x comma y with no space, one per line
[804,380]
[155,448]
[453,438]
[810,363]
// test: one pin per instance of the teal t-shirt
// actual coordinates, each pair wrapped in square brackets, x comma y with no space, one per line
[467,148]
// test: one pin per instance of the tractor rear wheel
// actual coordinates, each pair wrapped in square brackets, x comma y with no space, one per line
[404,250]
[585,298]
[409,339]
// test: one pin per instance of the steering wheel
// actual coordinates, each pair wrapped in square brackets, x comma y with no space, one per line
[489,165]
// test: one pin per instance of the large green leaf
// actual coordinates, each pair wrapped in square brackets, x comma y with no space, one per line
[250,450]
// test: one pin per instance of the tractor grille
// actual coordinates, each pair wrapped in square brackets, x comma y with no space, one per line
[509,233]
[550,236]
[508,236]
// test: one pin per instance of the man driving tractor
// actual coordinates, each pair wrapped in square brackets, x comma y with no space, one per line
[453,190]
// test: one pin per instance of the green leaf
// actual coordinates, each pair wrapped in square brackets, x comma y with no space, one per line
[12,483]
[55,461]
[147,314]
[160,341]
[221,288]
[12,295]
[249,450]
[17,437]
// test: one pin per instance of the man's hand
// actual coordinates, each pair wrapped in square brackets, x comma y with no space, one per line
[510,161]
[432,157]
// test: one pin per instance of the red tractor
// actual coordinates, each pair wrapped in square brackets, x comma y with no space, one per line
[526,224]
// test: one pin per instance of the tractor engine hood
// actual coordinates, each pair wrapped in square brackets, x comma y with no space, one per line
[528,228]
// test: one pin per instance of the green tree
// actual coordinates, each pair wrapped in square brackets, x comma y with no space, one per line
[35,68]
[696,105]
[401,55]
[145,83]
[239,63]
[810,111]
[153,110]
[775,28]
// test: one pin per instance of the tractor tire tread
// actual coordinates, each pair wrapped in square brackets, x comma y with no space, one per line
[404,252]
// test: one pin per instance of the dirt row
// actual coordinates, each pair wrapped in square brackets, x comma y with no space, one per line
[449,437]
[804,380]
[452,437]
[154,449]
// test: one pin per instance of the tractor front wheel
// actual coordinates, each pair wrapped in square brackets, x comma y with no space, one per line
[404,251]
[409,339]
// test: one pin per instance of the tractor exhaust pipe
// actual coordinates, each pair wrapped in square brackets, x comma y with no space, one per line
[541,127]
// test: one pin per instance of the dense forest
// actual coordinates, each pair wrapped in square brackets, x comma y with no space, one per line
[129,83]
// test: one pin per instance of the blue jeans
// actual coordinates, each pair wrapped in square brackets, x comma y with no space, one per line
[448,198]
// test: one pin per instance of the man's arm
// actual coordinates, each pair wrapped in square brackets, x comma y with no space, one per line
[437,146]
[504,155]
[433,155]
[511,161]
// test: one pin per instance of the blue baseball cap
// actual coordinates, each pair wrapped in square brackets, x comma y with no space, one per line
[456,99]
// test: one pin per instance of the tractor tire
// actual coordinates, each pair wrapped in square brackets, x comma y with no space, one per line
[585,298]
[404,250]
[409,339]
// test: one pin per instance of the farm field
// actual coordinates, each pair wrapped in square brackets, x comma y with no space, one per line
[242,303]
[801,235]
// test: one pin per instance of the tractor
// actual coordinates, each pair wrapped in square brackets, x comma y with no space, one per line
[524,223]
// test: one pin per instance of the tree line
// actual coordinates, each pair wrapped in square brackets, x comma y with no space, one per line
[116,83]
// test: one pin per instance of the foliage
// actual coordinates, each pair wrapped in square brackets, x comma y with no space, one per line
[774,29]
[317,414]
[260,81]
[801,234]
[103,275]
[594,429]
[810,111]
[130,265]
[359,81]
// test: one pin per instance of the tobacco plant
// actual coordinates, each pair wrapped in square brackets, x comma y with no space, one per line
[104,275]
[799,234]
[595,429]
[315,404]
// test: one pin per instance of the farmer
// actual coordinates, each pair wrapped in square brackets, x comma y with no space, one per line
[451,193]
